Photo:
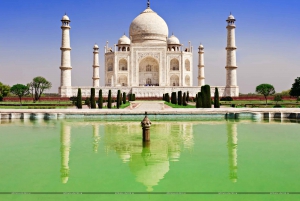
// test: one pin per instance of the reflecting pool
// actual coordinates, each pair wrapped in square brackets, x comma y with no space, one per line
[201,160]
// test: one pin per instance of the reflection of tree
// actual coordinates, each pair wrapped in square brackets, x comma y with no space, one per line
[65,139]
[149,162]
[96,137]
[232,150]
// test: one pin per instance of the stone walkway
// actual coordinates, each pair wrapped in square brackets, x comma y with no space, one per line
[149,106]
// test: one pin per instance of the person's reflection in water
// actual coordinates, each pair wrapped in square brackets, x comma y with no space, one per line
[232,150]
[65,139]
[96,137]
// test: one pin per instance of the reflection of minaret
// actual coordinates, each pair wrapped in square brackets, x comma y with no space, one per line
[96,137]
[232,150]
[65,139]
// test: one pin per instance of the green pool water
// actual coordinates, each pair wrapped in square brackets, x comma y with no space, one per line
[108,161]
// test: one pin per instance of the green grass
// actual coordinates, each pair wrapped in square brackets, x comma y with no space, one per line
[179,106]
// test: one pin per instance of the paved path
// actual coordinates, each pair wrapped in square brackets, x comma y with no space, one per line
[148,106]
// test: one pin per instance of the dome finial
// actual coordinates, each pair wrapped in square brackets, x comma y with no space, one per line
[148,4]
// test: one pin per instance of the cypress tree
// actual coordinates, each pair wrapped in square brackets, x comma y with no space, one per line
[118,99]
[216,99]
[109,100]
[163,97]
[121,99]
[208,96]
[93,101]
[187,96]
[173,98]
[133,97]
[199,100]
[124,98]
[179,97]
[203,96]
[167,97]
[184,99]
[100,100]
[196,100]
[79,99]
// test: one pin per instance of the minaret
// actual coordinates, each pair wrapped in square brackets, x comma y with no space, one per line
[201,77]
[231,81]
[65,67]
[96,67]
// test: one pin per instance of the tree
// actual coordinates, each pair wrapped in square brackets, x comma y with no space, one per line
[266,90]
[100,100]
[38,86]
[179,97]
[277,98]
[199,103]
[20,90]
[184,100]
[206,96]
[187,97]
[173,98]
[109,100]
[79,99]
[167,97]
[118,99]
[295,90]
[124,97]
[4,90]
[93,101]
[216,99]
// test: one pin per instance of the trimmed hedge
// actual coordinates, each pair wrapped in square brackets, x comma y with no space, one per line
[100,100]
[109,101]
[216,99]
[93,101]
[79,99]
[227,98]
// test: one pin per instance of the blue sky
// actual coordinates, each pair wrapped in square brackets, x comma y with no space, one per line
[267,37]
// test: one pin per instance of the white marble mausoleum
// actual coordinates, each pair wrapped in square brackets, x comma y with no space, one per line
[148,62]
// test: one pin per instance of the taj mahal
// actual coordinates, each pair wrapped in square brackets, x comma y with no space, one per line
[148,62]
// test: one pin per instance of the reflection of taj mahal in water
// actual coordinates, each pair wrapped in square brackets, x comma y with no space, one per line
[148,63]
[149,162]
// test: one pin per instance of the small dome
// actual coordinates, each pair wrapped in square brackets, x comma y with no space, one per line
[231,17]
[201,46]
[96,46]
[148,27]
[173,40]
[65,18]
[124,40]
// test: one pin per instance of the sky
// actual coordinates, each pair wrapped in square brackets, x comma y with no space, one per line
[267,37]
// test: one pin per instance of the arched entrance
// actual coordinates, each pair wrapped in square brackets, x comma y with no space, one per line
[149,72]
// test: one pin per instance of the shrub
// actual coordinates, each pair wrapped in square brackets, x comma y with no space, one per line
[206,96]
[93,101]
[124,97]
[79,99]
[133,97]
[109,100]
[100,100]
[163,97]
[227,98]
[277,98]
[216,99]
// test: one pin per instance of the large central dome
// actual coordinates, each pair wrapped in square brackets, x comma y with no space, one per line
[148,27]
